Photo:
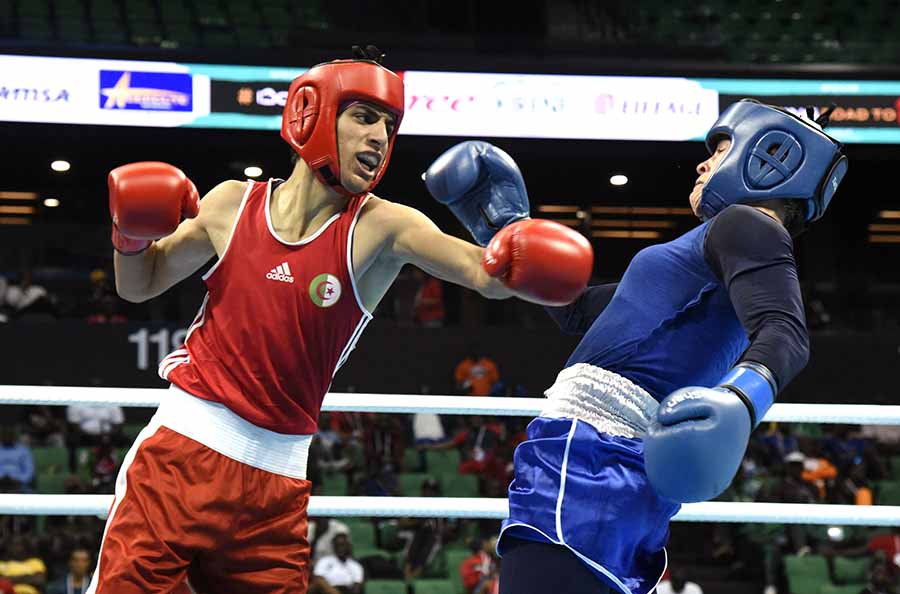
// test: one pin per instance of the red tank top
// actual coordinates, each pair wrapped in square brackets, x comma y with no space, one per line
[277,322]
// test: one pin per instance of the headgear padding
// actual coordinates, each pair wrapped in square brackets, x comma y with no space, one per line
[309,121]
[774,155]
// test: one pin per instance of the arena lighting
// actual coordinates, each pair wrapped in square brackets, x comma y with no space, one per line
[640,210]
[253,171]
[626,234]
[19,210]
[51,202]
[18,196]
[618,180]
[60,166]
[889,214]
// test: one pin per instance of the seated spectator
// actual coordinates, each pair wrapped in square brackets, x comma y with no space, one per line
[428,306]
[818,471]
[89,424]
[30,302]
[341,571]
[44,427]
[16,462]
[321,535]
[24,569]
[678,584]
[880,581]
[78,577]
[481,572]
[480,447]
[852,486]
[845,444]
[103,305]
[4,306]
[476,375]
[384,442]
[104,466]
[779,441]
[425,536]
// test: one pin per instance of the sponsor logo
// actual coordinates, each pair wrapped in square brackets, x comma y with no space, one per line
[282,273]
[325,290]
[608,104]
[151,91]
[33,95]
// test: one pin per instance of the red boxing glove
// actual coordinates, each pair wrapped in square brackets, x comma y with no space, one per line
[543,261]
[146,202]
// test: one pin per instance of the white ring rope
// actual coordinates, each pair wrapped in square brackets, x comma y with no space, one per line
[862,414]
[492,508]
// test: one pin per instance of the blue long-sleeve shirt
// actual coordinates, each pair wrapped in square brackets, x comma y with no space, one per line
[17,463]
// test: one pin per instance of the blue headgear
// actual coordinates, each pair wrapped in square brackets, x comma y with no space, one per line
[774,154]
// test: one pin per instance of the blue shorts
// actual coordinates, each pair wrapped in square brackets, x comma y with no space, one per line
[588,491]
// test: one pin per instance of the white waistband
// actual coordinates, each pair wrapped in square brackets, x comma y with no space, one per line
[219,429]
[611,403]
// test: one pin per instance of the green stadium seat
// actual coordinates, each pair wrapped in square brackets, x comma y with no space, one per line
[106,10]
[182,33]
[210,13]
[50,459]
[849,570]
[244,14]
[175,11]
[442,462]
[385,587]
[70,9]
[35,28]
[845,589]
[807,574]
[437,568]
[410,459]
[334,484]
[140,9]
[432,587]
[887,492]
[362,533]
[35,9]
[455,558]
[132,430]
[461,485]
[50,483]
[410,483]
[253,36]
[219,39]
[73,30]
[895,460]
[109,31]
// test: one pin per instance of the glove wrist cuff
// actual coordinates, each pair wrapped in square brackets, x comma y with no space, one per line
[127,246]
[755,385]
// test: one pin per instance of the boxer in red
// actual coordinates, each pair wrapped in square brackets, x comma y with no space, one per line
[214,489]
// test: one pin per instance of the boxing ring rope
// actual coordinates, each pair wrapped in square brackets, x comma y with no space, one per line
[862,414]
[462,507]
[493,508]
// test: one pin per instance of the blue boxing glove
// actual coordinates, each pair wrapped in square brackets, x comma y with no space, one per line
[695,445]
[481,185]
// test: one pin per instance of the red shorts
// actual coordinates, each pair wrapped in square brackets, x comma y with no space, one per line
[183,511]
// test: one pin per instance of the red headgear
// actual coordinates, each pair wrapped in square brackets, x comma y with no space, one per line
[309,121]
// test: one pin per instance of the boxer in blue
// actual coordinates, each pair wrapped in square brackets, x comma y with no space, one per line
[679,361]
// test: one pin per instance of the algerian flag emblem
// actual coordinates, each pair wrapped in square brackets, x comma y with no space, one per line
[325,290]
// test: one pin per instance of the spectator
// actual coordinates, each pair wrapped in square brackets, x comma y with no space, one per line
[44,427]
[7,587]
[26,571]
[880,581]
[89,424]
[479,445]
[385,445]
[476,375]
[678,584]
[16,462]
[480,572]
[425,535]
[779,441]
[341,570]
[321,535]
[4,306]
[78,577]
[818,471]
[104,466]
[428,306]
[103,305]
[30,302]
[852,486]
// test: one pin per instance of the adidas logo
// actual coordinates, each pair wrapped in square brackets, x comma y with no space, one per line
[282,273]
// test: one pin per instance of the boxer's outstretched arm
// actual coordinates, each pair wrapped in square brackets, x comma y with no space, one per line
[577,317]
[414,239]
[175,257]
